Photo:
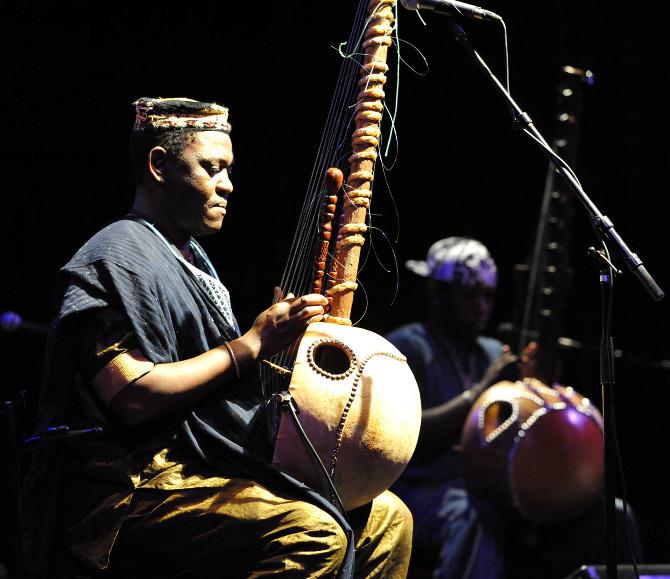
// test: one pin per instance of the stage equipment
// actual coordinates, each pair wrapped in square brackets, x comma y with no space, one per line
[623,572]
[451,8]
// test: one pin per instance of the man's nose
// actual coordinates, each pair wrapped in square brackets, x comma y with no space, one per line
[483,304]
[224,186]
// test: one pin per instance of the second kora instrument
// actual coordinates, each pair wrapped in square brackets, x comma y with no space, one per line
[535,448]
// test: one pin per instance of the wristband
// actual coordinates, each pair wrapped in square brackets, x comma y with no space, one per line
[233,358]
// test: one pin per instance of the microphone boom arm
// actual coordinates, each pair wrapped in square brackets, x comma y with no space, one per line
[601,223]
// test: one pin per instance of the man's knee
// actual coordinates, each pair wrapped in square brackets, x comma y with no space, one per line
[317,522]
[395,513]
[311,539]
[384,543]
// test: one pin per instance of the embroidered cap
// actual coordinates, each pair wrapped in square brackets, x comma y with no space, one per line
[457,260]
[179,113]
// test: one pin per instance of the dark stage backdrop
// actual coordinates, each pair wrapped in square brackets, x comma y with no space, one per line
[71,70]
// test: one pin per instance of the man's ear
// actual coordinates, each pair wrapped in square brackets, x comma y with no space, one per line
[157,163]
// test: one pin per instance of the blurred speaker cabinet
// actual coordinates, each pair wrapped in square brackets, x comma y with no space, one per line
[623,572]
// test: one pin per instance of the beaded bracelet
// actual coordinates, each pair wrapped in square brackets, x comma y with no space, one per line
[233,358]
[471,394]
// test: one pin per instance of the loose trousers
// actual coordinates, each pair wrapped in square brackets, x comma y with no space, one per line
[242,529]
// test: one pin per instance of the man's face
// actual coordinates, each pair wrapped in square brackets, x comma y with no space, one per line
[197,184]
[465,309]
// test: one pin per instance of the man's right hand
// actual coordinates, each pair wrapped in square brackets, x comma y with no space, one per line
[508,367]
[282,323]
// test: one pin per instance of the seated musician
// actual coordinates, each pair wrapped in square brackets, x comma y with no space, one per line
[145,344]
[458,535]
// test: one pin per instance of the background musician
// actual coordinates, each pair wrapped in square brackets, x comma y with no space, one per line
[145,343]
[457,534]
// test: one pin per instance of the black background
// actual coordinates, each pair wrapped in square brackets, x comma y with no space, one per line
[71,71]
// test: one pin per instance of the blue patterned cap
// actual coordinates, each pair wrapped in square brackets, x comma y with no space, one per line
[457,260]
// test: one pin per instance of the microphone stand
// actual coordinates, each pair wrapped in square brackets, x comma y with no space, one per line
[604,229]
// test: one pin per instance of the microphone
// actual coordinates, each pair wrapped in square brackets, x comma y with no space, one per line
[11,321]
[450,8]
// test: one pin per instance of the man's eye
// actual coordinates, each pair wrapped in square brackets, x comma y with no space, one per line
[211,168]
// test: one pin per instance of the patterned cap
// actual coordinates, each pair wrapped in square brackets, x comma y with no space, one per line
[179,113]
[457,260]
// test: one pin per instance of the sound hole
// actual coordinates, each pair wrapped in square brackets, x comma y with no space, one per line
[331,359]
[498,416]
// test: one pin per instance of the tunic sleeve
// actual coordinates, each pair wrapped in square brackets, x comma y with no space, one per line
[108,354]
